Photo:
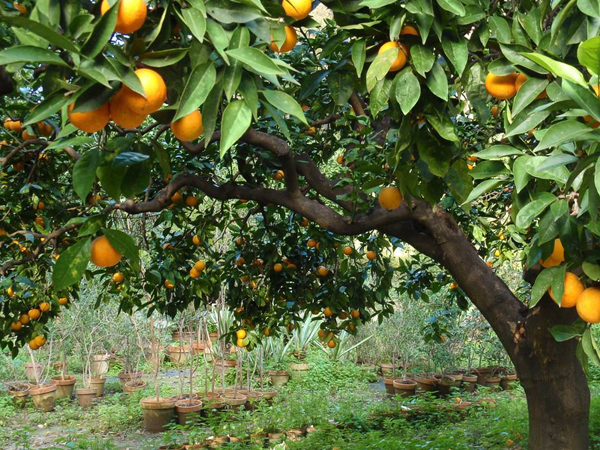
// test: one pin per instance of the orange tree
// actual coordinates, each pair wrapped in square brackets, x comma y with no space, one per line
[481,117]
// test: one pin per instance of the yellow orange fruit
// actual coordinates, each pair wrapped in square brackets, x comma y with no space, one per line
[118,278]
[11,292]
[63,301]
[103,253]
[331,344]
[241,334]
[240,241]
[21,8]
[188,128]
[177,197]
[40,341]
[44,306]
[240,343]
[328,312]
[191,201]
[355,314]
[297,9]
[400,60]
[322,271]
[155,89]
[240,261]
[267,332]
[27,136]
[45,129]
[494,110]
[291,37]
[90,121]
[409,30]
[16,326]
[573,287]
[522,78]
[24,319]
[588,305]
[351,326]
[390,198]
[34,313]
[122,115]
[278,267]
[340,160]
[33,345]
[501,87]
[279,175]
[557,257]
[196,240]
[200,265]
[311,131]
[348,250]
[169,284]
[195,273]
[371,255]
[311,243]
[131,15]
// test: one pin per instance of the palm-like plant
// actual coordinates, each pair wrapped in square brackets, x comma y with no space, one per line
[303,336]
[344,346]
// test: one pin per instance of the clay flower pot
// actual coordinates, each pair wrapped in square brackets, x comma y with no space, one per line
[64,385]
[187,396]
[298,370]
[426,383]
[30,372]
[178,355]
[405,388]
[124,377]
[279,378]
[98,383]
[134,386]
[157,413]
[492,382]
[43,396]
[100,364]
[294,435]
[19,392]
[508,381]
[469,382]
[389,386]
[184,408]
[86,397]
[198,347]
[253,397]
[234,400]
[211,401]
[445,383]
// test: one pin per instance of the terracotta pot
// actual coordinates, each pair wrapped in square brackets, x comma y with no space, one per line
[30,372]
[405,388]
[185,336]
[294,435]
[188,396]
[298,370]
[258,438]
[457,374]
[198,347]
[98,383]
[492,382]
[157,413]
[184,408]
[86,397]
[194,446]
[279,378]
[43,396]
[425,383]
[268,394]
[179,355]
[388,369]
[310,429]
[214,337]
[233,400]
[64,385]
[469,382]
[19,392]
[275,438]
[218,441]
[445,383]
[100,364]
[462,405]
[507,382]
[211,401]
[253,397]
[482,373]
[134,386]
[124,377]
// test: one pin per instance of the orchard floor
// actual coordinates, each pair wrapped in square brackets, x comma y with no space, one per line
[348,409]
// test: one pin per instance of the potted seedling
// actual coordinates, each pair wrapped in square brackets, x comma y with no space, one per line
[133,354]
[18,390]
[277,349]
[301,337]
[64,383]
[42,393]
[188,402]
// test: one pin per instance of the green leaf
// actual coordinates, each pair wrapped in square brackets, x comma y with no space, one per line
[380,96]
[285,103]
[532,210]
[558,174]
[558,68]
[482,188]
[92,225]
[42,31]
[514,53]
[444,126]
[359,55]
[589,7]
[164,58]
[521,176]
[256,60]
[453,6]
[561,132]
[459,181]
[126,159]
[408,90]
[211,108]
[542,284]
[585,97]
[380,66]
[341,85]
[236,121]
[488,169]
[501,29]
[422,58]
[590,347]
[71,142]
[563,333]
[125,245]
[195,21]
[198,86]
[71,265]
[26,54]
[233,73]
[437,82]
[102,32]
[163,157]
[435,156]
[111,179]
[526,121]
[531,22]
[84,173]
[498,152]
[48,107]
[556,161]
[588,54]
[457,53]
[135,180]
[591,270]
[528,93]
[226,11]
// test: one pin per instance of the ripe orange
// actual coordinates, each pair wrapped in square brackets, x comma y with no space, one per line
[343,315]
[278,267]
[291,37]
[33,345]
[40,341]
[21,8]
[44,306]
[557,257]
[321,334]
[588,305]
[122,115]
[328,312]
[177,197]
[331,344]
[347,251]
[39,206]
[194,273]
[290,326]
[311,131]
[196,240]
[90,121]
[240,261]
[45,129]
[495,110]
[304,223]
[390,198]
[16,326]
[340,160]
[453,286]
[188,128]
[191,201]
[279,175]
[63,301]
[200,265]
[40,221]
[522,78]
[131,16]
[24,319]
[240,343]
[34,313]
[240,241]
[573,287]
[322,271]
[400,60]
[241,334]
[245,278]
[252,285]
[154,88]
[118,278]
[371,255]
[311,243]
[501,87]
[351,326]
[355,314]
[267,332]
[27,136]
[11,292]
[409,30]
[169,284]
[297,9]
[103,253]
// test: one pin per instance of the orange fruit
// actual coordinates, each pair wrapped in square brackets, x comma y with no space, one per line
[103,253]
[321,334]
[291,37]
[40,221]
[177,197]
[194,273]
[588,119]
[240,261]
[291,266]
[390,198]
[169,284]
[90,121]
[311,243]
[557,257]
[501,87]
[267,332]
[44,306]
[522,78]
[588,305]
[118,278]
[21,8]
[252,285]
[297,9]
[188,128]
[39,206]
[16,125]
[241,334]
[351,326]
[278,267]
[409,30]
[240,343]
[355,314]
[40,341]
[122,115]
[322,271]
[495,110]
[453,286]
[27,136]
[33,345]
[311,131]
[63,301]
[191,201]
[279,175]
[240,241]
[340,160]
[155,89]
[331,344]
[343,315]
[573,287]
[245,278]
[45,129]
[19,166]
[328,312]
[371,255]
[11,292]
[16,326]
[34,313]
[304,223]
[24,319]
[347,250]
[196,240]
[131,16]
[400,60]
[200,265]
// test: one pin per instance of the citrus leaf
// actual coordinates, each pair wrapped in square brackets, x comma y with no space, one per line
[71,265]
[124,244]
[237,118]
[408,90]
[84,173]
[285,103]
[198,86]
[27,54]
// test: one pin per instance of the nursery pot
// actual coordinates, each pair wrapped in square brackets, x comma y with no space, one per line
[482,373]
[469,382]
[100,364]
[279,378]
[387,370]
[492,382]
[213,337]
[425,383]
[133,386]
[43,396]
[198,347]
[294,435]
[444,384]
[185,336]
[210,401]
[389,385]
[405,388]
[124,377]
[98,383]
[298,370]
[224,366]
[183,408]
[30,371]
[253,397]
[19,392]
[234,400]
[275,438]
[508,381]
[179,355]
[86,397]
[64,385]
[157,413]
[457,374]
[218,441]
